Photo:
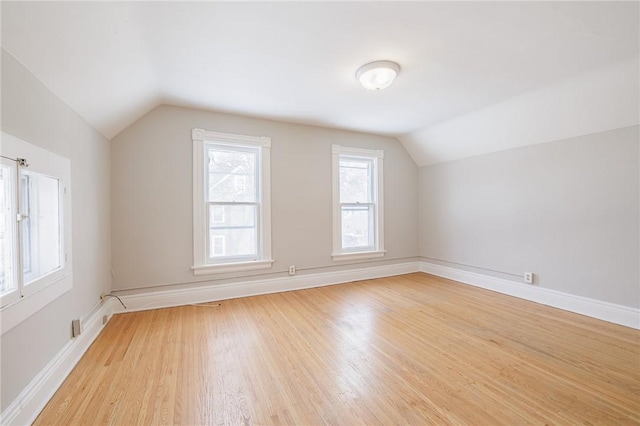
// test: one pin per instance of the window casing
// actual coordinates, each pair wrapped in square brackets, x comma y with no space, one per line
[357,203]
[231,211]
[35,229]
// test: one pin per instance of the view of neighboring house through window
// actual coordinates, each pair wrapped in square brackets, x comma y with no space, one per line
[231,202]
[357,202]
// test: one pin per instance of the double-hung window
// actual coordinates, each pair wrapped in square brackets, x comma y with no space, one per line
[231,202]
[35,229]
[357,203]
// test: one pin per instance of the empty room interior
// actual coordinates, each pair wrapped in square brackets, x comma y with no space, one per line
[315,213]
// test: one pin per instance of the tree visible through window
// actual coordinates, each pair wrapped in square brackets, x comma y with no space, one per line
[357,203]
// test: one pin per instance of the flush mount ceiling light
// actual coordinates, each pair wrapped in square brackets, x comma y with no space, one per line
[377,75]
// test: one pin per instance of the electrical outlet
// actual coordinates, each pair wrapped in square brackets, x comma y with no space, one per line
[528,277]
[292,270]
[103,296]
[105,319]
[76,328]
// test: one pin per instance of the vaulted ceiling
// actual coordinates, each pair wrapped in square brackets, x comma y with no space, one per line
[475,77]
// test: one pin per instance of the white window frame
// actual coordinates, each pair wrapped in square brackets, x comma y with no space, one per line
[340,254]
[26,300]
[13,225]
[201,265]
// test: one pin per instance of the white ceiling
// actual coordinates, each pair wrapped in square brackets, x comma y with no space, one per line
[466,66]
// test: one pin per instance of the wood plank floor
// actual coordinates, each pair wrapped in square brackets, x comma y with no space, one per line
[413,349]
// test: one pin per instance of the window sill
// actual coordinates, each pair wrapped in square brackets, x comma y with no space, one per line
[18,311]
[358,255]
[231,267]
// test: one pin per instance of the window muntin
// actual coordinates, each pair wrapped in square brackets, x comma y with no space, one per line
[357,176]
[231,202]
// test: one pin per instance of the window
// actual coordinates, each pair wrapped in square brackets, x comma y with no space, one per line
[232,225]
[35,229]
[357,203]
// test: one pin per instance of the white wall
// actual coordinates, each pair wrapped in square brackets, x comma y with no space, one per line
[567,211]
[32,113]
[152,196]
[595,101]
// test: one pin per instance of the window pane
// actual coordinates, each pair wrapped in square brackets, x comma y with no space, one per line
[231,174]
[232,230]
[41,228]
[7,235]
[356,180]
[357,227]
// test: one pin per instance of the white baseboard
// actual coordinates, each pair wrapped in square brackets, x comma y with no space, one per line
[617,314]
[26,407]
[214,292]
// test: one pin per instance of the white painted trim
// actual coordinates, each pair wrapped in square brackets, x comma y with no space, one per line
[363,152]
[617,314]
[214,292]
[199,222]
[26,407]
[265,199]
[379,191]
[202,135]
[335,191]
[232,267]
[358,255]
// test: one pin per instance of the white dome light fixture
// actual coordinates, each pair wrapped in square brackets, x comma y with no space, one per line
[377,75]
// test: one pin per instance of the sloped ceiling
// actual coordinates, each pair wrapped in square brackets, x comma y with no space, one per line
[476,76]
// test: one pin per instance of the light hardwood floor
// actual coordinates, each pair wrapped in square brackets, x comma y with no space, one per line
[413,349]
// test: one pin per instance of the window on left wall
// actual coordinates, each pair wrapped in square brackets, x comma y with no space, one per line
[35,229]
